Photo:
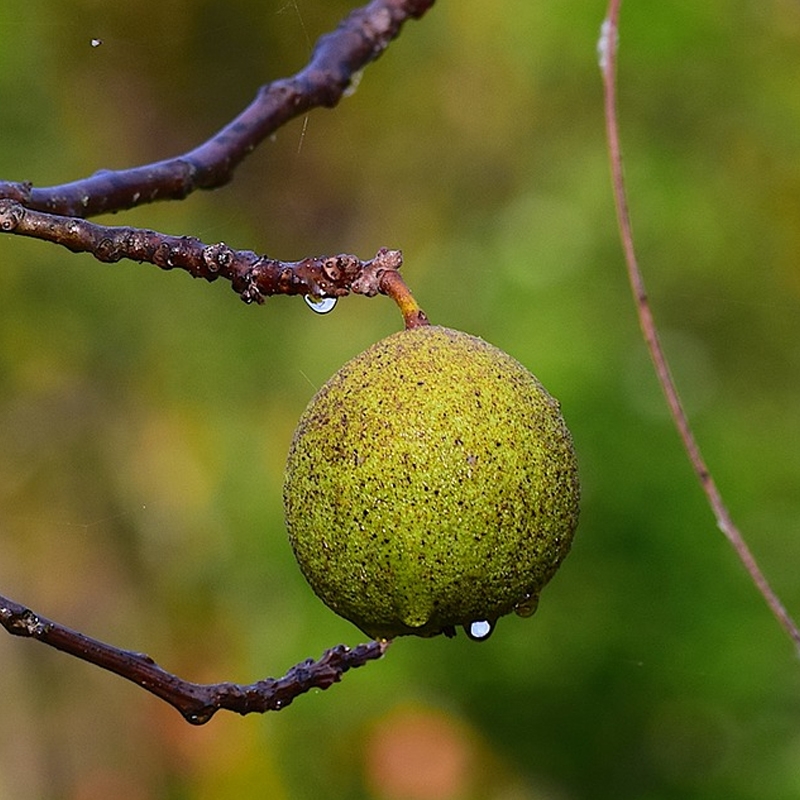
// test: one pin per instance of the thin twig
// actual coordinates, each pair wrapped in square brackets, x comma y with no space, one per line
[197,702]
[252,277]
[337,57]
[607,49]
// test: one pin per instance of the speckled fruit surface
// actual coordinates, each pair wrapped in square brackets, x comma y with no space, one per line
[431,483]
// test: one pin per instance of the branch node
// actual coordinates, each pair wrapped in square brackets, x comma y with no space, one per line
[11,214]
[107,251]
[286,279]
[28,624]
[217,258]
[247,288]
[368,282]
[334,267]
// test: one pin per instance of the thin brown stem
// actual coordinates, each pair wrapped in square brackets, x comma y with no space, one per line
[197,702]
[607,48]
[393,285]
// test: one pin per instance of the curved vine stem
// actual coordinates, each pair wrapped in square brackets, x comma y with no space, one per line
[607,51]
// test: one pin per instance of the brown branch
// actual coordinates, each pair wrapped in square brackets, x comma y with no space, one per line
[337,57]
[197,702]
[56,215]
[607,49]
[253,277]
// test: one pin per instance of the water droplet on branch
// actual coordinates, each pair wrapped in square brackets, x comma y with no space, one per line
[320,305]
[199,717]
[352,87]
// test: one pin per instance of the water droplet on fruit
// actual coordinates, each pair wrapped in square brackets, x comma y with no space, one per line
[320,305]
[527,606]
[479,630]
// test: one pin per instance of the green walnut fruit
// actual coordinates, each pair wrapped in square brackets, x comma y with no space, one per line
[431,483]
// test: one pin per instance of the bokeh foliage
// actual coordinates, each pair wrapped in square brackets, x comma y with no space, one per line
[144,417]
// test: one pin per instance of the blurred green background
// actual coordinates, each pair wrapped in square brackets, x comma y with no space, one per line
[145,417]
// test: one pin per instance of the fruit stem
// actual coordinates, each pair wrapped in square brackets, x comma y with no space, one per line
[393,285]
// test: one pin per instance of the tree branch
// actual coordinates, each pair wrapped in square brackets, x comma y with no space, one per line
[252,276]
[197,702]
[56,214]
[337,57]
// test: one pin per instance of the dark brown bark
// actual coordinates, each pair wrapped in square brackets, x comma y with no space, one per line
[337,57]
[57,214]
[197,702]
